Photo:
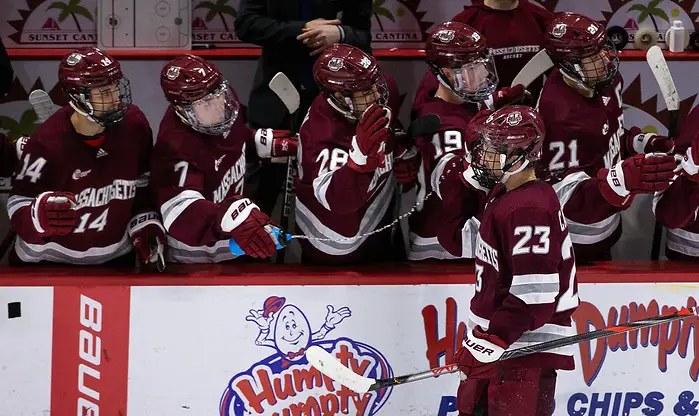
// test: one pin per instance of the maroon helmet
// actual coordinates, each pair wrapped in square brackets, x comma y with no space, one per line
[509,135]
[580,48]
[95,85]
[350,80]
[465,52]
[202,98]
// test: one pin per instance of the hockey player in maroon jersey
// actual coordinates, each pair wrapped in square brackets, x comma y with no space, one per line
[458,55]
[526,290]
[80,194]
[346,156]
[199,167]
[677,207]
[585,147]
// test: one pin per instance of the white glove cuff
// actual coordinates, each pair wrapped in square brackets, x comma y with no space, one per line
[35,212]
[688,163]
[640,141]
[263,142]
[482,350]
[236,214]
[615,179]
[140,221]
[355,154]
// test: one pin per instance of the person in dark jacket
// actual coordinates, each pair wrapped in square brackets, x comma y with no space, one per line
[292,33]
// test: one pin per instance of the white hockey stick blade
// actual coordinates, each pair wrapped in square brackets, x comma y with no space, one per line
[43,105]
[532,70]
[329,366]
[662,75]
[286,92]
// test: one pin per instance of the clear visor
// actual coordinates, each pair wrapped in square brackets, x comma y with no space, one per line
[476,80]
[215,113]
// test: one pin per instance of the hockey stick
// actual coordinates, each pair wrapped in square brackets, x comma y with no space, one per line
[286,92]
[331,367]
[426,125]
[663,77]
[532,70]
[43,107]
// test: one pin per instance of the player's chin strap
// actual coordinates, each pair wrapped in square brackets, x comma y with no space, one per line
[444,81]
[505,167]
[586,89]
[86,103]
[350,104]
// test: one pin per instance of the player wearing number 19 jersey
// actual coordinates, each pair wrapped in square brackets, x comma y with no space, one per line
[586,141]
[526,289]
[80,194]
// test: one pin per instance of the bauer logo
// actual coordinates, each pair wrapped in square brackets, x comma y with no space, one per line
[285,384]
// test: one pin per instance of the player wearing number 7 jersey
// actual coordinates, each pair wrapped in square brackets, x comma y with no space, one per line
[585,147]
[526,290]
[80,194]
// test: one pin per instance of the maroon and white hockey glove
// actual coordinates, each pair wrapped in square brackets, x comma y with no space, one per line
[272,144]
[478,357]
[639,174]
[250,228]
[369,143]
[148,238]
[406,166]
[650,142]
[510,95]
[53,213]
[688,164]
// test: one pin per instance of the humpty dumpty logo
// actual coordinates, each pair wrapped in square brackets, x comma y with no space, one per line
[285,383]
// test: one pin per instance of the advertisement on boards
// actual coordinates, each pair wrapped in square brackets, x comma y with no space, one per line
[237,350]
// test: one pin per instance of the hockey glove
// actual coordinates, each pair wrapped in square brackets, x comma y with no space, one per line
[510,95]
[406,166]
[148,238]
[640,174]
[478,357]
[53,213]
[689,162]
[650,142]
[271,143]
[369,143]
[250,228]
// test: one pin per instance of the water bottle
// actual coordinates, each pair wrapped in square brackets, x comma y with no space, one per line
[676,37]
[282,240]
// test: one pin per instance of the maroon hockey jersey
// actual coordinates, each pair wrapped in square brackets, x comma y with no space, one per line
[526,290]
[335,203]
[677,207]
[110,183]
[195,178]
[514,36]
[450,139]
[583,135]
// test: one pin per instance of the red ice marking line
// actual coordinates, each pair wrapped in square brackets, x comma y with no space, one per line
[90,351]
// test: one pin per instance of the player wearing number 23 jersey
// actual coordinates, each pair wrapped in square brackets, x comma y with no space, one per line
[525,288]
[80,194]
[585,147]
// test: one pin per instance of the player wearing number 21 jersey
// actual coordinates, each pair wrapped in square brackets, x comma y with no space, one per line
[526,289]
[585,147]
[80,194]
[199,167]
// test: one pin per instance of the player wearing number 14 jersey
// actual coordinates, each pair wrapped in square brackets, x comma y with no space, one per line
[526,290]
[585,147]
[80,194]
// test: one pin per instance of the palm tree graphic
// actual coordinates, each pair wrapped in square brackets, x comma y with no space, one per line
[26,126]
[378,10]
[72,8]
[650,10]
[219,8]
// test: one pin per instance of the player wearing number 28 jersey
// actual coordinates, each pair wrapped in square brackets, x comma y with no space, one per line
[526,289]
[80,194]
[345,182]
[585,137]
